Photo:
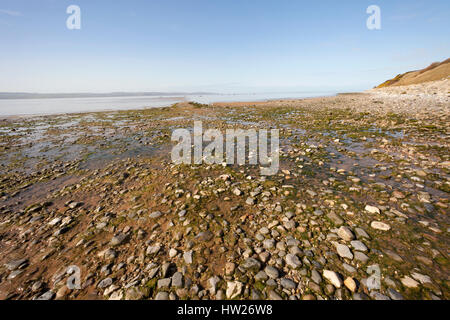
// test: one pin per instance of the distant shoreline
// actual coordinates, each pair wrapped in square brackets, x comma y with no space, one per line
[11,107]
[25,95]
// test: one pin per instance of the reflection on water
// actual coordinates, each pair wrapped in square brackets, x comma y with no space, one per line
[11,107]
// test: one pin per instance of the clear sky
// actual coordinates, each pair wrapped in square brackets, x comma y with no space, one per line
[216,45]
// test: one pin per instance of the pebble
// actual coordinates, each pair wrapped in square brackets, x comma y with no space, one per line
[421,278]
[172,253]
[274,296]
[409,282]
[333,277]
[16,264]
[105,283]
[162,296]
[251,264]
[187,256]
[380,226]
[350,284]
[372,209]
[343,251]
[205,236]
[288,284]
[315,276]
[293,261]
[358,245]
[394,294]
[49,295]
[118,239]
[177,280]
[164,283]
[346,234]
[234,289]
[155,215]
[359,256]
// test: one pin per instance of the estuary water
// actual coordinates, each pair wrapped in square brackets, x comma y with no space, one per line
[47,106]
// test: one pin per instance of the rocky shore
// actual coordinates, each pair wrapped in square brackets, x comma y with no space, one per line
[358,210]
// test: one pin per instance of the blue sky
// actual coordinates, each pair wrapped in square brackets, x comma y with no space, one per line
[216,45]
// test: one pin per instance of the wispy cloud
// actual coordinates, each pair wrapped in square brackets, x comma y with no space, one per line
[11,13]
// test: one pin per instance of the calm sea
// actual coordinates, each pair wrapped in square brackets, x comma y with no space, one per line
[16,107]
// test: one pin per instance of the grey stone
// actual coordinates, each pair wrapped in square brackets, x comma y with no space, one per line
[205,236]
[293,261]
[287,284]
[360,296]
[315,276]
[359,256]
[134,293]
[343,251]
[164,283]
[335,218]
[378,296]
[105,283]
[348,268]
[212,284]
[394,294]
[162,296]
[261,276]
[49,295]
[360,233]
[155,215]
[274,296]
[16,264]
[251,264]
[187,256]
[346,234]
[358,245]
[119,239]
[269,243]
[177,280]
[272,272]
[380,226]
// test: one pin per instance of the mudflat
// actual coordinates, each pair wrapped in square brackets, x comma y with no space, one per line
[358,210]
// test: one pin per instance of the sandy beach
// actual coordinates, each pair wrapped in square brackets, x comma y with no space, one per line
[363,185]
